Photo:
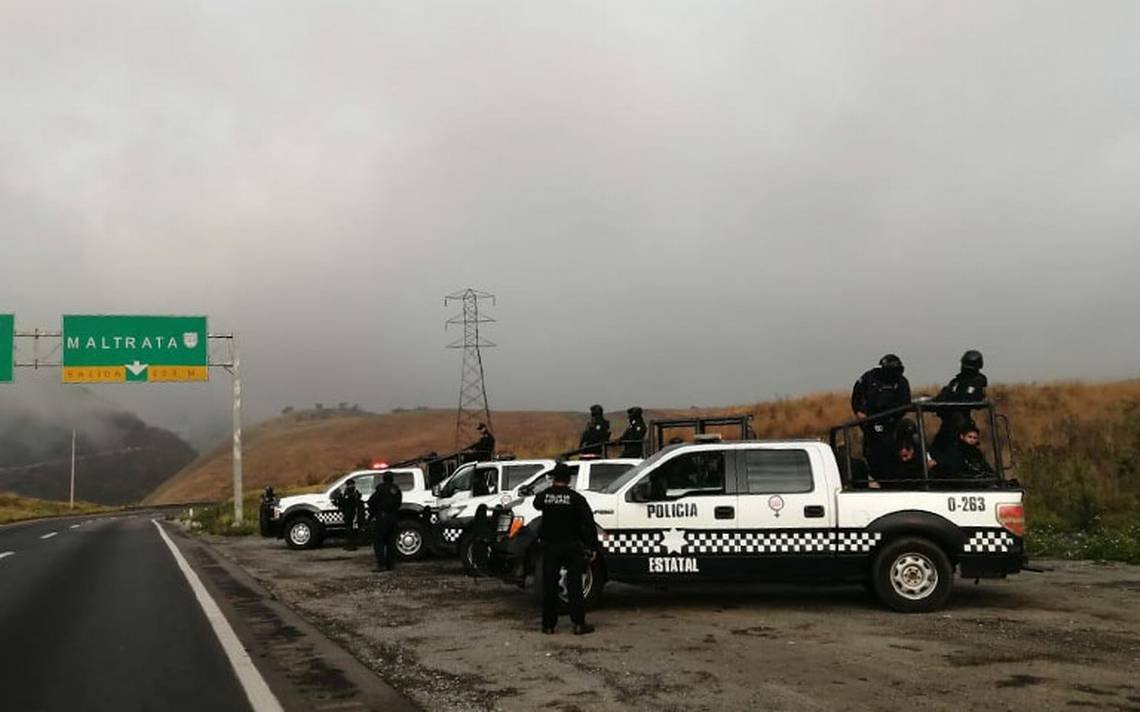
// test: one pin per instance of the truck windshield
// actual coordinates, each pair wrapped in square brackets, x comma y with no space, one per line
[636,471]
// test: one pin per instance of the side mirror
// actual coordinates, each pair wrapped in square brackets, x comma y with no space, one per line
[639,492]
[436,491]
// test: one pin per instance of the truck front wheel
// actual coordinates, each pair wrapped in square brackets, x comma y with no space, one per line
[303,532]
[912,575]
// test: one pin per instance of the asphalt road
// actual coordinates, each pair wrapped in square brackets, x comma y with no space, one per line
[96,615]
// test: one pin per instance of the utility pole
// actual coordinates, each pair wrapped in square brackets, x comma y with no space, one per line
[473,407]
[71,499]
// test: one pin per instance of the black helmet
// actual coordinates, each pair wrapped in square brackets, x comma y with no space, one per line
[972,360]
[596,410]
[634,412]
[350,483]
[892,364]
[388,478]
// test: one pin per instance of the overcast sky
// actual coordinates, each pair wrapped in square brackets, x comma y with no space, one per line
[676,202]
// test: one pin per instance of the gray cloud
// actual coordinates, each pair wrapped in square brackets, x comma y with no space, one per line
[676,203]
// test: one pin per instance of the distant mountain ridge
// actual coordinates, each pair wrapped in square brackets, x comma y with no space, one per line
[119,458]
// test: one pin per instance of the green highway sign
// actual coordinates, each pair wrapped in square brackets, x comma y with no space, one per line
[7,346]
[118,349]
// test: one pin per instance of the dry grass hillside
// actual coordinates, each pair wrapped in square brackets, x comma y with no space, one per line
[298,449]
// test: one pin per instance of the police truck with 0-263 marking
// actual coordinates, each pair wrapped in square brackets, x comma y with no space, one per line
[793,511]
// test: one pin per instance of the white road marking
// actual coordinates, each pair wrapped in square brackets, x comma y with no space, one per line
[261,698]
[74,526]
[49,535]
[6,554]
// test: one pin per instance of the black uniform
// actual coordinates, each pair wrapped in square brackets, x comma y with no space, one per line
[484,448]
[877,391]
[969,386]
[566,532]
[383,507]
[901,474]
[349,503]
[633,439]
[962,461]
[596,434]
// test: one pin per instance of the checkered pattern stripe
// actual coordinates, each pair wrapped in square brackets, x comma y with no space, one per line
[633,543]
[858,542]
[451,535]
[331,517]
[988,541]
[771,541]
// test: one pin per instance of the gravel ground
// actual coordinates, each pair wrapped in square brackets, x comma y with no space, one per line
[1068,639]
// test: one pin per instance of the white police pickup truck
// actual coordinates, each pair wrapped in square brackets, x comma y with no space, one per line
[477,483]
[782,511]
[305,520]
[459,525]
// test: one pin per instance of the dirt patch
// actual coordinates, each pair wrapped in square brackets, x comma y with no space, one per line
[1067,639]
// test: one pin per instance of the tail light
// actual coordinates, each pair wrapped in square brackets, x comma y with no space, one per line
[516,527]
[1012,517]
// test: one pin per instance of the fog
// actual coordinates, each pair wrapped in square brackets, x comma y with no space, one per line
[675,203]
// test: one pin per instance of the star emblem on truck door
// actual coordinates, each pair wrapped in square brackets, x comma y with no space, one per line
[673,540]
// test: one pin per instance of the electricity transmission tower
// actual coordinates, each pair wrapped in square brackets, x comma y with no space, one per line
[473,407]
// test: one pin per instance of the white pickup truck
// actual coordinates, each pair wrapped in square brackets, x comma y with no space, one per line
[305,520]
[783,511]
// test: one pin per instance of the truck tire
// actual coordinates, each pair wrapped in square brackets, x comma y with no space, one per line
[303,532]
[912,575]
[473,553]
[411,540]
[593,580]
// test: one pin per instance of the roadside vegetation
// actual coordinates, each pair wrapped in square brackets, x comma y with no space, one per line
[14,508]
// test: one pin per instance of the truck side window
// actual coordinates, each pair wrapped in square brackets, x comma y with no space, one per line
[690,474]
[406,481]
[515,475]
[601,475]
[484,482]
[365,484]
[777,471]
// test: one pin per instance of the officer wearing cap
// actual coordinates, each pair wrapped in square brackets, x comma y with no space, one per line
[633,439]
[877,391]
[969,386]
[482,449]
[569,539]
[384,506]
[596,434]
[348,502]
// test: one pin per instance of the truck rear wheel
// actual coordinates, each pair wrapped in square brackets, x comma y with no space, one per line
[411,538]
[912,575]
[593,580]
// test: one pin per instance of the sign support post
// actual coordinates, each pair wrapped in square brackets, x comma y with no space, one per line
[236,371]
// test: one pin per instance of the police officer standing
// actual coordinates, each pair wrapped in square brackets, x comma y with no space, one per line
[349,504]
[569,539]
[633,439]
[969,386]
[878,391]
[383,507]
[596,434]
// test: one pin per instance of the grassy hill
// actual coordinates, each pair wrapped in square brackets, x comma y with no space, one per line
[1078,444]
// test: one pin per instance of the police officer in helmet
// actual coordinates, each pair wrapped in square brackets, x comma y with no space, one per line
[877,391]
[969,386]
[384,506]
[569,540]
[596,434]
[633,439]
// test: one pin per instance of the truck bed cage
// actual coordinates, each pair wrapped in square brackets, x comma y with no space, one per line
[922,409]
[699,426]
